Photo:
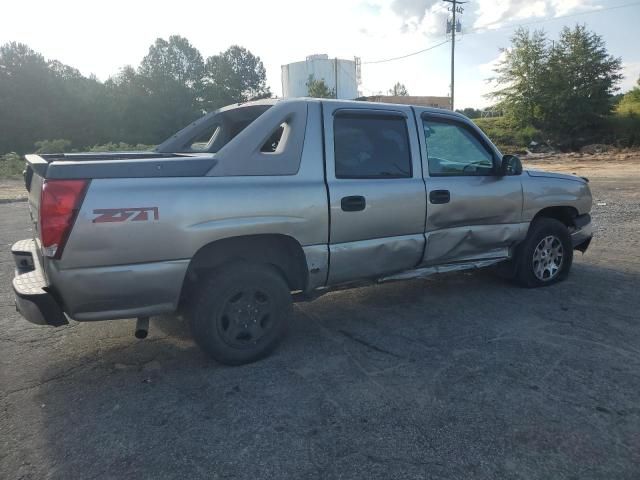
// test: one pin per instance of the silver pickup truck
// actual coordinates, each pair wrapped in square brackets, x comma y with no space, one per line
[259,204]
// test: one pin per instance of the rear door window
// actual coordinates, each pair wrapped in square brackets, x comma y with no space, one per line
[371,146]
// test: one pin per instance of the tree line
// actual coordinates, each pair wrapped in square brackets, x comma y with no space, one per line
[173,85]
[546,88]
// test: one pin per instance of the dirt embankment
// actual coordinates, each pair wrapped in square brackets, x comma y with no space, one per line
[621,163]
[12,190]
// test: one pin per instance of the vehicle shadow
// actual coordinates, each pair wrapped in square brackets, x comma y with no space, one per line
[380,381]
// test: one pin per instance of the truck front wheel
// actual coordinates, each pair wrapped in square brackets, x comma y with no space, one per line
[240,312]
[545,256]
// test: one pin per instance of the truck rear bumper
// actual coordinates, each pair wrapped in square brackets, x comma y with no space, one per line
[119,291]
[96,293]
[33,299]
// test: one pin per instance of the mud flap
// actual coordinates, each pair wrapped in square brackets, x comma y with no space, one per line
[584,245]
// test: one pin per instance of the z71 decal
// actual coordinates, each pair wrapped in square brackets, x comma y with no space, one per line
[133,214]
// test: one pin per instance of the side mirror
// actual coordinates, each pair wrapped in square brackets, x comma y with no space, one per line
[510,165]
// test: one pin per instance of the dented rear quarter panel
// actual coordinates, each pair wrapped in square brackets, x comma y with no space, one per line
[192,212]
[120,269]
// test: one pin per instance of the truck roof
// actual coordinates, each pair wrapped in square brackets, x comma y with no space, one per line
[245,113]
[346,103]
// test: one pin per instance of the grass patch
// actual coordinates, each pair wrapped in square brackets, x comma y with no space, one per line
[619,130]
[11,165]
[61,145]
[121,147]
[507,137]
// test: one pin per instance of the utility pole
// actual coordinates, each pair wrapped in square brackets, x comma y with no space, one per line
[335,76]
[453,27]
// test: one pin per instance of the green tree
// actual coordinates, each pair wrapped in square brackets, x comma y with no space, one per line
[24,97]
[40,99]
[563,87]
[170,76]
[130,106]
[173,60]
[398,90]
[630,103]
[319,89]
[581,77]
[521,75]
[233,76]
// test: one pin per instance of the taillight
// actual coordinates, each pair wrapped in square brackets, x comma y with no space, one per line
[60,202]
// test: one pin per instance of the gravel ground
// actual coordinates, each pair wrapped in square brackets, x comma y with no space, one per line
[12,190]
[456,376]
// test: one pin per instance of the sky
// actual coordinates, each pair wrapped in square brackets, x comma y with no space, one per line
[100,38]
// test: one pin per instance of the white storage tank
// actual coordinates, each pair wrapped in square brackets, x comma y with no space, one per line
[341,76]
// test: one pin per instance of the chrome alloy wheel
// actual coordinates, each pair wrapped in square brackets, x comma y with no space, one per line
[547,258]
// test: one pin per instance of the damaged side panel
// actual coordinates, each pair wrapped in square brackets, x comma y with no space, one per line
[472,242]
[428,271]
[373,258]
[317,257]
[541,192]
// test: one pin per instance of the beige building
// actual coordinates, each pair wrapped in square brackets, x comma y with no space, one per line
[436,102]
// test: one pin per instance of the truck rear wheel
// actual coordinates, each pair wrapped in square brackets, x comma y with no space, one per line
[241,312]
[546,255]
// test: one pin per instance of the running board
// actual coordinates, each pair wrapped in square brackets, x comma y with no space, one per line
[451,267]
[406,275]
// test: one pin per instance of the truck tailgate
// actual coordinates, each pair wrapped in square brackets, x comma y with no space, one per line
[33,180]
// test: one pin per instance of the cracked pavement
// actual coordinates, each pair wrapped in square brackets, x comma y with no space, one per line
[455,376]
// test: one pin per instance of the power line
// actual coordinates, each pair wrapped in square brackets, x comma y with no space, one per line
[545,20]
[438,9]
[485,29]
[407,55]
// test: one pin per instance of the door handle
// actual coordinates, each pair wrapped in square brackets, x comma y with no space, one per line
[439,196]
[354,203]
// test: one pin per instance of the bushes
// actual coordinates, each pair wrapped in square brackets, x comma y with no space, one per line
[629,105]
[507,136]
[11,165]
[621,131]
[53,146]
[65,146]
[121,147]
[630,102]
[618,130]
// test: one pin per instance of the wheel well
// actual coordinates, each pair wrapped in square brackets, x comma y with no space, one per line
[565,215]
[281,251]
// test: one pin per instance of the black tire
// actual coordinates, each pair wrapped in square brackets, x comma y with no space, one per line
[531,259]
[240,312]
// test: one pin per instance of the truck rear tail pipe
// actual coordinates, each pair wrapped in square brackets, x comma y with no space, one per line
[142,327]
